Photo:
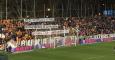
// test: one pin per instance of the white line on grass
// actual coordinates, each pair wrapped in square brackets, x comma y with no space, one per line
[22,52]
[95,57]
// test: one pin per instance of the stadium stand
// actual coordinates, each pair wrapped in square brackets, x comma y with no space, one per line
[14,29]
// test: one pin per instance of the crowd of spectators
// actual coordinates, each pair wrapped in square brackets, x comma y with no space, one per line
[92,26]
[14,29]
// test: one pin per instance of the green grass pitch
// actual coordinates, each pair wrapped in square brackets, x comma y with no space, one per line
[98,51]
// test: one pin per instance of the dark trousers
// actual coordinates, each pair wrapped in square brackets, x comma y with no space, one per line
[9,49]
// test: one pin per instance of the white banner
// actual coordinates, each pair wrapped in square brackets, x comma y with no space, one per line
[40,26]
[39,20]
[50,32]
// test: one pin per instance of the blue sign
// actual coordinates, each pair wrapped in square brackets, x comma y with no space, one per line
[109,12]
